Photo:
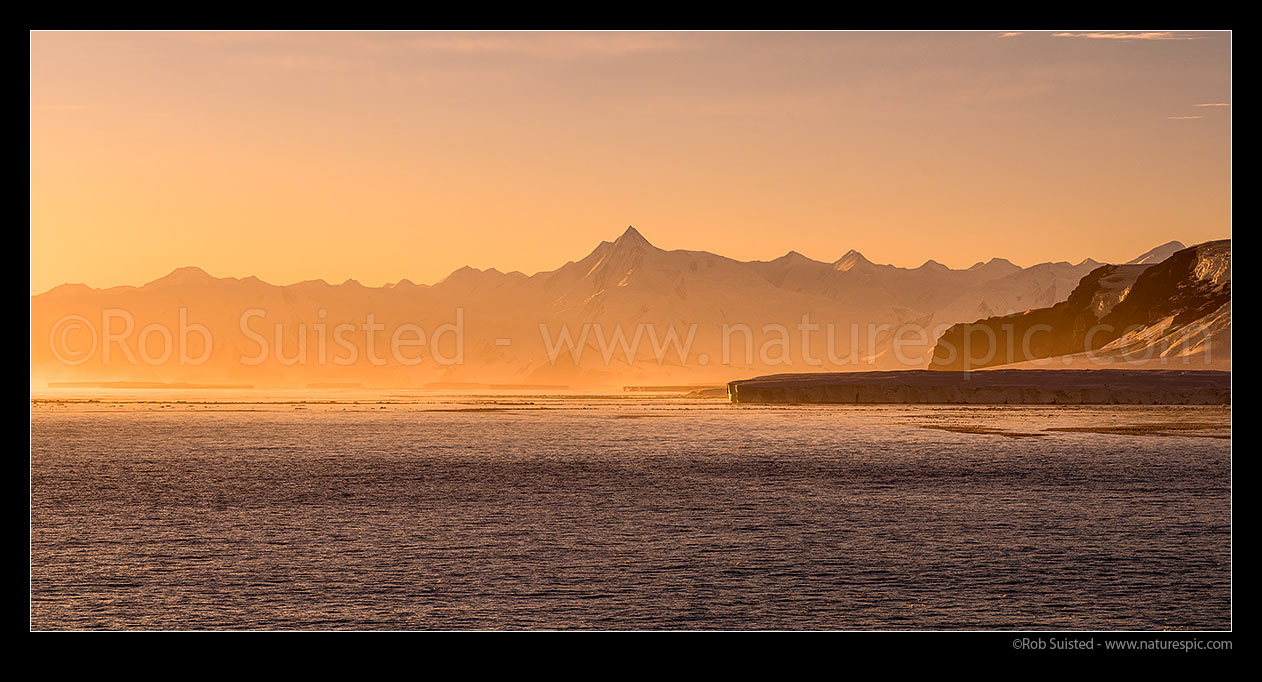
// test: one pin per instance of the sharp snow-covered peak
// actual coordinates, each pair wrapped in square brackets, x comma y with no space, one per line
[632,238]
[853,259]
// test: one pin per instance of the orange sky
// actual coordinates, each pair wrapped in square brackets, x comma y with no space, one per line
[381,156]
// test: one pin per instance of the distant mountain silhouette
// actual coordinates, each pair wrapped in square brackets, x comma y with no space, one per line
[1157,254]
[626,284]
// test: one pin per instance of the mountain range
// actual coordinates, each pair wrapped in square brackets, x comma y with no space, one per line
[685,317]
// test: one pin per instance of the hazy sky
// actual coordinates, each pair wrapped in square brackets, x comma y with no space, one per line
[381,156]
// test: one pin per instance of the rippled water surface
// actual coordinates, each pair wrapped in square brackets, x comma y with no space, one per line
[614,514]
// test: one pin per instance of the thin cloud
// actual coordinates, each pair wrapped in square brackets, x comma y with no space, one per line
[1214,104]
[1183,118]
[1147,35]
[1011,34]
[555,44]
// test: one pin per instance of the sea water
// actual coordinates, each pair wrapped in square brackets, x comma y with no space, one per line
[643,512]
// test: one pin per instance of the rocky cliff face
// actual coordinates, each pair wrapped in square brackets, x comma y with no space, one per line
[1174,313]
